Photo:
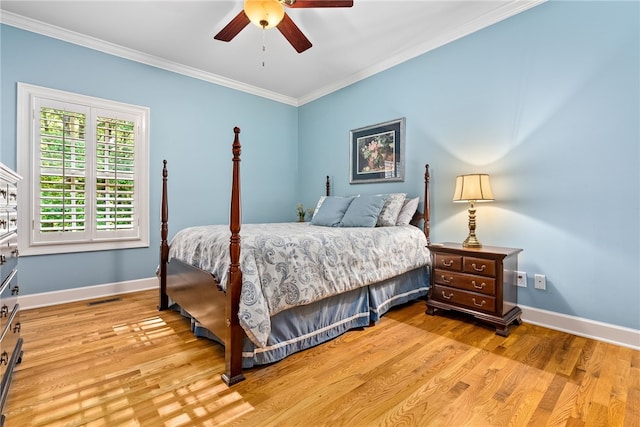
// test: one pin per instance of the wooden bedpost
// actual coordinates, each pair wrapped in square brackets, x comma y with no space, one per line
[327,192]
[164,246]
[427,203]
[235,333]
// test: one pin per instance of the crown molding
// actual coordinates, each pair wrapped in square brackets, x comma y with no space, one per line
[83,40]
[508,10]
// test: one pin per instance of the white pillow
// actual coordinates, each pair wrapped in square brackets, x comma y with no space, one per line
[391,209]
[409,208]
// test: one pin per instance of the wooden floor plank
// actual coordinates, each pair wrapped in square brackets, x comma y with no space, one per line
[124,363]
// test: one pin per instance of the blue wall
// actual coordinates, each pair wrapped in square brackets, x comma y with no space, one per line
[547,103]
[191,125]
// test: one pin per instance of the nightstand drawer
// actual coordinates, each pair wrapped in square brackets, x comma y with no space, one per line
[449,262]
[486,285]
[486,267]
[464,298]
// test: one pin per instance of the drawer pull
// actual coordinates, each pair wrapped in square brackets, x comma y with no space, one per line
[3,193]
[3,223]
[480,286]
[13,196]
[17,327]
[445,296]
[479,305]
[445,280]
[4,359]
[3,259]
[447,262]
[15,290]
[482,267]
[4,311]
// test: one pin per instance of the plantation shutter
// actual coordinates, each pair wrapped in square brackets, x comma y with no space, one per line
[61,213]
[87,173]
[85,166]
[115,174]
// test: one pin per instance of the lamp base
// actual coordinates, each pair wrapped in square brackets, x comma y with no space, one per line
[471,242]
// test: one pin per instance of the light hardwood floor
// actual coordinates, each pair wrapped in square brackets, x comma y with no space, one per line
[125,363]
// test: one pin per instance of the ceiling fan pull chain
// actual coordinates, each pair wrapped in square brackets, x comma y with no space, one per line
[264,48]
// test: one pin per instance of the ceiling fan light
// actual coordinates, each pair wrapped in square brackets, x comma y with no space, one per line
[264,13]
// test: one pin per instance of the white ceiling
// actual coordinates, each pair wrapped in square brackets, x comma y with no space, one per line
[349,44]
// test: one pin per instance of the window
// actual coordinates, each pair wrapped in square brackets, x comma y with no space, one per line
[85,168]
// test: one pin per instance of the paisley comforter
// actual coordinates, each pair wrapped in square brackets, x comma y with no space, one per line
[289,264]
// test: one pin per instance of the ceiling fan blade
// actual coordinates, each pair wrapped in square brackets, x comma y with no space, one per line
[233,28]
[291,32]
[320,3]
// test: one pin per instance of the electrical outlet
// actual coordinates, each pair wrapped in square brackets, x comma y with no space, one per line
[540,281]
[521,279]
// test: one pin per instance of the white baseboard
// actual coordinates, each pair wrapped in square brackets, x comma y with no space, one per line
[619,335]
[45,299]
[587,328]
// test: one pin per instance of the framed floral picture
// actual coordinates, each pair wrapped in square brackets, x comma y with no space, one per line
[377,152]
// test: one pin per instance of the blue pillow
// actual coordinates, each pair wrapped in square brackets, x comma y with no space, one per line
[363,211]
[331,211]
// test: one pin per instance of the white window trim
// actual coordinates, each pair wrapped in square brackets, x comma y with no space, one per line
[26,117]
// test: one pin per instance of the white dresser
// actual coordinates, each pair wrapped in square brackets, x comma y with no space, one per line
[10,339]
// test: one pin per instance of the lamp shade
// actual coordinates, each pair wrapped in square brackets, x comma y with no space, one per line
[473,187]
[264,13]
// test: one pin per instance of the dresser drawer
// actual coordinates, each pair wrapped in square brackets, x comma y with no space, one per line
[8,297]
[12,195]
[486,267]
[4,193]
[12,221]
[9,335]
[448,262]
[8,263]
[462,298]
[485,285]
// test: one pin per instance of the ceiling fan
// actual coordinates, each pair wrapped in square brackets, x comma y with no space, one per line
[270,13]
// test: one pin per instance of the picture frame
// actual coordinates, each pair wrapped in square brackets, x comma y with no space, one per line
[377,152]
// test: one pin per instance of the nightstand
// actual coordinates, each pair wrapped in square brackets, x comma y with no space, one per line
[477,281]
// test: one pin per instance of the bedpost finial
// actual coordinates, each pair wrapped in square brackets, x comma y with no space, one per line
[236,130]
[164,169]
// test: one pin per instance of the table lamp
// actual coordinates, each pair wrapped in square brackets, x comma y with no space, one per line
[472,188]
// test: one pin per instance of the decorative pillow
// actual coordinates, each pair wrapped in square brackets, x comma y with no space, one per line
[391,209]
[409,208]
[331,211]
[363,211]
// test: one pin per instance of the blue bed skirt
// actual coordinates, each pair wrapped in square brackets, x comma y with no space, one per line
[306,326]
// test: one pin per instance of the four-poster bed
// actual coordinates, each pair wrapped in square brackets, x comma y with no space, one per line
[308,289]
